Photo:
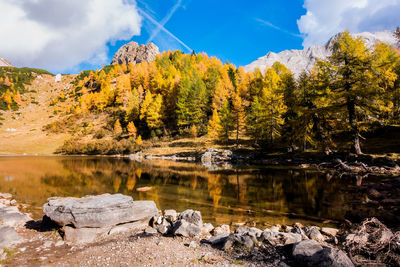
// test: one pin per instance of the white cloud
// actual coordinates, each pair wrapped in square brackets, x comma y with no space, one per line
[60,34]
[325,18]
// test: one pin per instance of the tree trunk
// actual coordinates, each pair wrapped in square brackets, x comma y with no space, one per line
[272,123]
[355,148]
[237,130]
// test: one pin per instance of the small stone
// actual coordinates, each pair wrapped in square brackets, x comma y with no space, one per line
[42,258]
[218,239]
[21,249]
[5,195]
[223,229]
[313,233]
[191,216]
[13,202]
[150,231]
[193,244]
[329,231]
[48,244]
[170,215]
[207,228]
[59,243]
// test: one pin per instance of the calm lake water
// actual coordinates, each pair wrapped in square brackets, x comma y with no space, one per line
[266,196]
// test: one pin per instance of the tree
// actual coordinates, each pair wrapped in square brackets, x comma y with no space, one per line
[154,114]
[352,80]
[139,142]
[131,130]
[226,122]
[117,128]
[397,34]
[238,116]
[214,125]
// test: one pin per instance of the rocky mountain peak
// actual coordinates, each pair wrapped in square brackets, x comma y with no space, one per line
[4,63]
[132,52]
[299,60]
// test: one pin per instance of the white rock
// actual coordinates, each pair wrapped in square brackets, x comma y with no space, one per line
[58,78]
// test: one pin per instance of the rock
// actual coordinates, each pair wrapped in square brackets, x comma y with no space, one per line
[164,227]
[329,231]
[191,216]
[235,240]
[192,244]
[59,243]
[222,229]
[186,229]
[98,211]
[207,228]
[48,244]
[298,61]
[58,78]
[216,159]
[299,230]
[170,215]
[128,227]
[150,231]
[277,238]
[83,235]
[330,257]
[303,250]
[9,237]
[5,195]
[274,228]
[314,234]
[135,54]
[218,239]
[12,217]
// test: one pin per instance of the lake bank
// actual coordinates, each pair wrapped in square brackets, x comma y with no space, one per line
[192,245]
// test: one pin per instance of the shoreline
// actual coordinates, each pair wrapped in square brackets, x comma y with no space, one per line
[198,243]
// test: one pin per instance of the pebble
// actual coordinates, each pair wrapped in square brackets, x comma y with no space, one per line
[59,243]
[47,244]
[193,244]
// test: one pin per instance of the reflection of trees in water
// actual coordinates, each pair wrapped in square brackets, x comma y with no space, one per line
[182,184]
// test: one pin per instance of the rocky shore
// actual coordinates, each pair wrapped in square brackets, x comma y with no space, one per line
[116,230]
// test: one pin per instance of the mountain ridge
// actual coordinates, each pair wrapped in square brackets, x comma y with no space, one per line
[298,60]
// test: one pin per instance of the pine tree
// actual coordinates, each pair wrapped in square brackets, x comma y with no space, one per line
[214,125]
[117,128]
[226,122]
[238,116]
[131,130]
[154,113]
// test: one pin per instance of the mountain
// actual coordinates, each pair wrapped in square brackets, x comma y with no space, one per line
[132,52]
[4,63]
[299,60]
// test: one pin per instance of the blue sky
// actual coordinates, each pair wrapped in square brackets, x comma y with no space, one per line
[71,35]
[234,31]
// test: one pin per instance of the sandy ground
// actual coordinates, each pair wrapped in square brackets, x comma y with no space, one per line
[21,132]
[127,249]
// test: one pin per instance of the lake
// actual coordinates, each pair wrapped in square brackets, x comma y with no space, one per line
[265,196]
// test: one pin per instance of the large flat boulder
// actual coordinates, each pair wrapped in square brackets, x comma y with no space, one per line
[98,211]
[8,236]
[11,216]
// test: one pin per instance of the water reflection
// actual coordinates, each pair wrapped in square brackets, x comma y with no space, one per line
[267,196]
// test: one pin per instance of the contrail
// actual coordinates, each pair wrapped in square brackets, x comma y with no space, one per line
[165,20]
[161,27]
[269,24]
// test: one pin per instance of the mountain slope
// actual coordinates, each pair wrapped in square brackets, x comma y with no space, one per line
[299,60]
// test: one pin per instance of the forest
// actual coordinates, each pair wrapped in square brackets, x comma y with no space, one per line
[354,91]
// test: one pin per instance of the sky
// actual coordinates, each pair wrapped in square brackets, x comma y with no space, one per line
[68,36]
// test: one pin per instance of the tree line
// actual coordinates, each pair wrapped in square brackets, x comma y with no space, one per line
[350,92]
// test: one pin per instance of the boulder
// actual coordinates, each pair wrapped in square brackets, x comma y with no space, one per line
[135,54]
[191,216]
[222,229]
[218,239]
[279,238]
[98,211]
[215,159]
[9,237]
[186,229]
[330,257]
[303,250]
[58,78]
[163,226]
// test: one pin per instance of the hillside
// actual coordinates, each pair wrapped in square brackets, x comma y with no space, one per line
[21,129]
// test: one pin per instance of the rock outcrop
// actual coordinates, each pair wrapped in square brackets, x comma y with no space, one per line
[304,60]
[84,219]
[4,63]
[216,159]
[135,54]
